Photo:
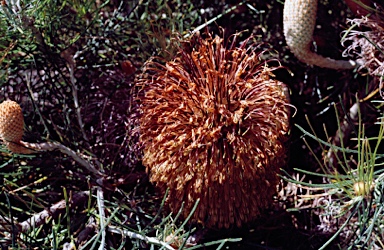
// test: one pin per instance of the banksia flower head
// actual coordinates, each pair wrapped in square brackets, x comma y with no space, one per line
[213,127]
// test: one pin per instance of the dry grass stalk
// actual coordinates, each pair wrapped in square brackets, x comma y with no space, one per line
[213,127]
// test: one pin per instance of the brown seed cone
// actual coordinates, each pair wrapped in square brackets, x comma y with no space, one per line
[213,127]
[11,121]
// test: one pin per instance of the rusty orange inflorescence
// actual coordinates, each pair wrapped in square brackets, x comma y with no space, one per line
[213,125]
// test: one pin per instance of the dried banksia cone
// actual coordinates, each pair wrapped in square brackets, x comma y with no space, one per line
[213,128]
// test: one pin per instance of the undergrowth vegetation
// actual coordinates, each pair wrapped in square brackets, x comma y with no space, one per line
[349,201]
[72,65]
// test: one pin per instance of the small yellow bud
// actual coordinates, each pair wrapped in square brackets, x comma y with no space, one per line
[361,188]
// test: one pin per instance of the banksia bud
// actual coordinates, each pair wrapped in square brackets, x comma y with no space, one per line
[213,126]
[11,121]
[12,127]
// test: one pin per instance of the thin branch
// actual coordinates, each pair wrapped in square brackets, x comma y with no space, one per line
[87,231]
[50,146]
[76,99]
[342,136]
[40,218]
[100,205]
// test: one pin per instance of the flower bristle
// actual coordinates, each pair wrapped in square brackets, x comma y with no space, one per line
[213,127]
[366,42]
